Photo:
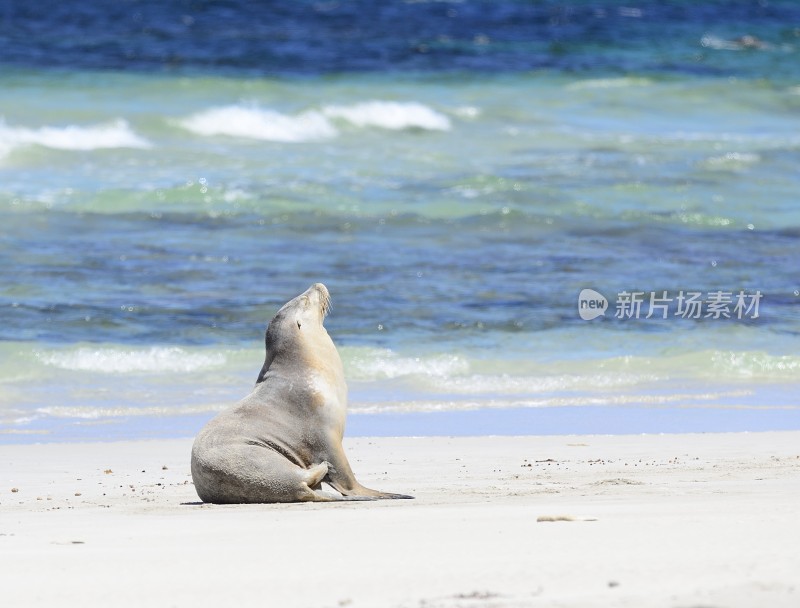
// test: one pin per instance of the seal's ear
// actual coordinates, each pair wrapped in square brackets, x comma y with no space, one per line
[298,325]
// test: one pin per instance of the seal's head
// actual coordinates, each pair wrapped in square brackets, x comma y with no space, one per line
[297,329]
[311,306]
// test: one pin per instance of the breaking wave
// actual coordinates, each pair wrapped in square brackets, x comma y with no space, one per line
[116,134]
[252,122]
[107,360]
[261,124]
[391,115]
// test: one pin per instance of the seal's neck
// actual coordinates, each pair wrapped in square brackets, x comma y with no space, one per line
[322,357]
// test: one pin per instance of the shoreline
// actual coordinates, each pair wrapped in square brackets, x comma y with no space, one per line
[498,421]
[572,520]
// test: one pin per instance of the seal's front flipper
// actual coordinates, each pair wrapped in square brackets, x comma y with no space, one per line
[314,475]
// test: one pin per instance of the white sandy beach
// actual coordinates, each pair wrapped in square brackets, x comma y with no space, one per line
[655,520]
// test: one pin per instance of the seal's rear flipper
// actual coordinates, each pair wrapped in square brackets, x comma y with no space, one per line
[356,498]
[323,496]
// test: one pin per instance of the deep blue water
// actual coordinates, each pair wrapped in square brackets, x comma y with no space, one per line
[324,37]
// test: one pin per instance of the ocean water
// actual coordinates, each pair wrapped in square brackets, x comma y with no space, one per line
[456,173]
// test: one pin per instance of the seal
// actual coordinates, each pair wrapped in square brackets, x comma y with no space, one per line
[282,441]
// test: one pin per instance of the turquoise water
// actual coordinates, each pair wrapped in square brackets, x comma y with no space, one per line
[153,220]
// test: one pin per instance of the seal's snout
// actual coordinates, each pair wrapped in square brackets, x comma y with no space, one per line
[324,297]
[320,287]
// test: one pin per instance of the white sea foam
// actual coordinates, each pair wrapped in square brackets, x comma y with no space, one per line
[258,123]
[264,124]
[94,413]
[753,364]
[116,134]
[719,44]
[732,161]
[157,359]
[739,44]
[453,374]
[392,115]
[719,399]
[510,384]
[380,364]
[610,83]
[467,112]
